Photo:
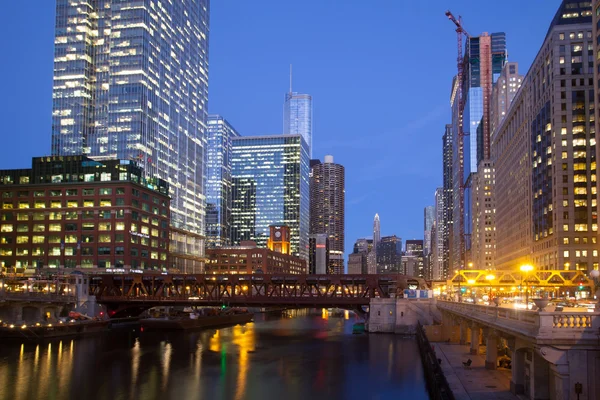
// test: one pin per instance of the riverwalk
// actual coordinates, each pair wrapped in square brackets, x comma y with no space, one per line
[476,382]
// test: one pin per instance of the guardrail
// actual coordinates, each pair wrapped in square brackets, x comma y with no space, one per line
[36,296]
[538,324]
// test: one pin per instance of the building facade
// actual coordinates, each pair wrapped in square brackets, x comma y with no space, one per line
[77,213]
[220,136]
[544,153]
[318,254]
[250,259]
[414,265]
[437,237]
[112,62]
[297,116]
[447,198]
[389,255]
[503,93]
[357,263]
[270,186]
[327,208]
[484,217]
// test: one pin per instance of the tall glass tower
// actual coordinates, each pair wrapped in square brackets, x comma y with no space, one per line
[220,136]
[270,187]
[297,116]
[131,82]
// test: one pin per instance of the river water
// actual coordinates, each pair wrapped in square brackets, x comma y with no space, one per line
[294,355]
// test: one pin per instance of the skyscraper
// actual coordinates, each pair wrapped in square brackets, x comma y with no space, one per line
[447,202]
[414,258]
[389,255]
[318,254]
[218,181]
[270,187]
[327,197]
[428,220]
[358,261]
[544,154]
[437,238]
[503,93]
[297,115]
[376,231]
[131,82]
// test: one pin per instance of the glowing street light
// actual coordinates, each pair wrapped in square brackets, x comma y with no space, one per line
[526,269]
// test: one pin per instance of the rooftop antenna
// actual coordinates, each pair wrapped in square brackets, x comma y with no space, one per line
[290,78]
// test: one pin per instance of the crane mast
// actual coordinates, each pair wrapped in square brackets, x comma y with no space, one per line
[460,32]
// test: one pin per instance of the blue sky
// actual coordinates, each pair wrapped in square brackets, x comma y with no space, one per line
[379,72]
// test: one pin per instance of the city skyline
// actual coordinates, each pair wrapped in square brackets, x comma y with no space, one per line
[329,86]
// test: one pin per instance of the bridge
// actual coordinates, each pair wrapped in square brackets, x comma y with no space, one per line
[129,292]
[550,352]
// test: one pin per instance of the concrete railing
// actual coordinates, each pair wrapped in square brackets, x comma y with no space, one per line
[36,296]
[535,324]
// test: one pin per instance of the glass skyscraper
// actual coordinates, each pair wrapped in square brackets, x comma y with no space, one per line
[297,117]
[131,82]
[218,181]
[270,187]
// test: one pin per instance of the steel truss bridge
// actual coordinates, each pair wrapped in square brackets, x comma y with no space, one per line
[549,278]
[120,293]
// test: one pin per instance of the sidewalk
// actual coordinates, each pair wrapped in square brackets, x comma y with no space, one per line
[476,383]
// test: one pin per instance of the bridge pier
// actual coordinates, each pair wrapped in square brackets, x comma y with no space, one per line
[474,339]
[491,349]
[463,332]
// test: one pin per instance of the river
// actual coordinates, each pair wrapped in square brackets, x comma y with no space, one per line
[294,355]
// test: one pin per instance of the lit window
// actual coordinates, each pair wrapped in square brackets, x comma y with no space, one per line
[54,227]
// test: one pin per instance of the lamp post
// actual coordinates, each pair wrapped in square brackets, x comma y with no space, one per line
[490,278]
[526,269]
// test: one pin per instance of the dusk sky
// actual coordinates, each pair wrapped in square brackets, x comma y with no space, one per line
[379,72]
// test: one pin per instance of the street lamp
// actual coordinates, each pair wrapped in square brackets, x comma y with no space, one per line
[526,269]
[490,278]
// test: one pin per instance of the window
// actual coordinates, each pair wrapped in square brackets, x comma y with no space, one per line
[6,228]
[55,204]
[23,204]
[119,238]
[87,238]
[53,239]
[88,203]
[38,239]
[104,251]
[105,214]
[104,226]
[120,190]
[22,239]
[22,217]
[70,238]
[120,213]
[133,251]
[7,205]
[70,227]
[71,215]
[40,204]
[55,216]
[71,192]
[104,239]
[87,215]
[105,203]
[72,203]
[88,226]
[22,228]
[88,192]
[39,227]
[120,226]
[106,191]
[120,201]
[119,250]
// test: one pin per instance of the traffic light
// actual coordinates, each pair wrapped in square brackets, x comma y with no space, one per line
[223,306]
[580,285]
[463,289]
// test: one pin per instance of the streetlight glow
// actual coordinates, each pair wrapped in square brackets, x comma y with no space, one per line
[526,268]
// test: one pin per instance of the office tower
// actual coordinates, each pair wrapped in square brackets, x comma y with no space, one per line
[428,218]
[131,82]
[437,237]
[456,228]
[447,202]
[483,239]
[389,255]
[544,154]
[75,212]
[327,197]
[270,187]
[503,93]
[596,49]
[376,231]
[297,115]
[414,258]
[358,260]
[218,181]
[318,253]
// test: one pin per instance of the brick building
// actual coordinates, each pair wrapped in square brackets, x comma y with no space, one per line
[249,259]
[76,212]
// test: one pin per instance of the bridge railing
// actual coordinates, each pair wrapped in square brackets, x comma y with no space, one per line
[36,296]
[539,324]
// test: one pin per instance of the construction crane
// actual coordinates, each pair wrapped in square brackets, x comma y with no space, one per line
[460,31]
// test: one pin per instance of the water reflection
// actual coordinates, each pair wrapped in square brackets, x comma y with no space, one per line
[293,356]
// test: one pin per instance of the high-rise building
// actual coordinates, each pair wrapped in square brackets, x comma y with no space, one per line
[437,238]
[218,181]
[428,220]
[503,93]
[131,82]
[596,49]
[456,228]
[297,115]
[279,239]
[376,231]
[358,262]
[270,186]
[544,154]
[414,257]
[318,253]
[483,239]
[389,255]
[447,198]
[327,196]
